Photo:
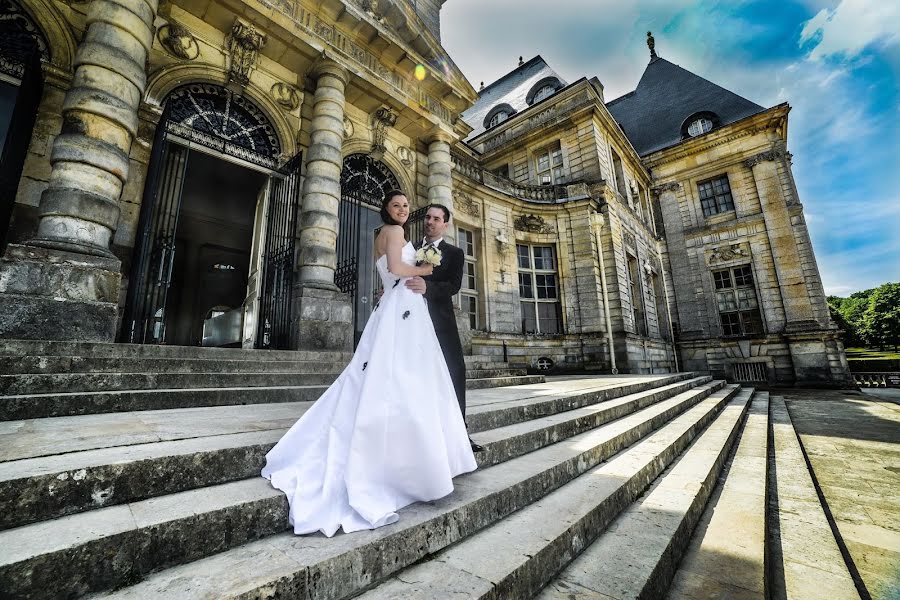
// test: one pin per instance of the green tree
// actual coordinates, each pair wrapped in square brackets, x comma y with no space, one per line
[881,318]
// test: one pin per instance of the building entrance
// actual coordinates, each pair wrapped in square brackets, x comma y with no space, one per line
[213,262]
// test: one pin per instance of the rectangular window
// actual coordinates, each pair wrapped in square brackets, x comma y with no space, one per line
[620,175]
[715,196]
[549,162]
[502,171]
[737,302]
[637,300]
[468,293]
[539,289]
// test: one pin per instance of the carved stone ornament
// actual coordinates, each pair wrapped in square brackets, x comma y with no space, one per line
[532,224]
[466,204]
[666,187]
[629,239]
[244,44]
[178,41]
[371,8]
[286,96]
[763,157]
[348,128]
[406,156]
[381,120]
[727,253]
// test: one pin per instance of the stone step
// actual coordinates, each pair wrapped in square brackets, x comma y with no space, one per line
[808,561]
[38,406]
[473,374]
[517,556]
[91,364]
[491,382]
[726,556]
[17,385]
[90,479]
[154,534]
[22,348]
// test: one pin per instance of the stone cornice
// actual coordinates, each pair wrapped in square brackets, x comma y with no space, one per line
[671,186]
[768,155]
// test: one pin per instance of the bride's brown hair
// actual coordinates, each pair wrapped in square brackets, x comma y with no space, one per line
[385,217]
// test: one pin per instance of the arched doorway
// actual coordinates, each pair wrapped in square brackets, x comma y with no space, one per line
[217,227]
[23,47]
[364,183]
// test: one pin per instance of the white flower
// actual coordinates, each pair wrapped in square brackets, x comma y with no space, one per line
[429,255]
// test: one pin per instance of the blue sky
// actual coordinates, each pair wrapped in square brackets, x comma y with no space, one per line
[836,62]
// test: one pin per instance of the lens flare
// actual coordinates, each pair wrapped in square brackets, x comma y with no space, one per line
[420,72]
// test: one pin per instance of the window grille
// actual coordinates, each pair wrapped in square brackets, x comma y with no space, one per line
[749,371]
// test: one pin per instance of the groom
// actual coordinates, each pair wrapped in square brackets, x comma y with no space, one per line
[439,289]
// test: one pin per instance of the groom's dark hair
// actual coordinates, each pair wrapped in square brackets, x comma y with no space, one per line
[385,217]
[443,208]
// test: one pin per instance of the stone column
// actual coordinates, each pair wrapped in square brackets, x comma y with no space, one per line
[323,313]
[788,265]
[440,180]
[64,283]
[322,185]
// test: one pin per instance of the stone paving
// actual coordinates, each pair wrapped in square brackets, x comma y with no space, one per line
[852,441]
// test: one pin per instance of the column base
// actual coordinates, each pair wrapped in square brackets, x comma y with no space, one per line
[324,319]
[57,295]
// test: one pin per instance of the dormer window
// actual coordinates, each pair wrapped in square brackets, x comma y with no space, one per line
[543,89]
[545,92]
[498,118]
[699,127]
[699,123]
[497,115]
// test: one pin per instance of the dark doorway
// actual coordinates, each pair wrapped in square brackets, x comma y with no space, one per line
[213,245]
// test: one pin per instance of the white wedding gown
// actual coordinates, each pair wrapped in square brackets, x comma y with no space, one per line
[387,433]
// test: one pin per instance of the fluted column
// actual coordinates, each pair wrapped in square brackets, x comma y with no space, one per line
[322,186]
[440,180]
[788,264]
[80,209]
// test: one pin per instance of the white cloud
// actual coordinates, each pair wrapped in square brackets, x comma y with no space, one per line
[852,26]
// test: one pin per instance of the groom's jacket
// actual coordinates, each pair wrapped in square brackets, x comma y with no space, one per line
[442,285]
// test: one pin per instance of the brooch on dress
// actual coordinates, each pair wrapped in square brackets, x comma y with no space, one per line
[406,314]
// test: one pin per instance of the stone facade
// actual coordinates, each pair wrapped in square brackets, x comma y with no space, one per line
[626,285]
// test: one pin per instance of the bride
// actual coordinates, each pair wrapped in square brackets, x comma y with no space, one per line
[388,432]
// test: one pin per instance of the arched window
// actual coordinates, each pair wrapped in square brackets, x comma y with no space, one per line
[699,123]
[367,179]
[545,92]
[542,89]
[498,118]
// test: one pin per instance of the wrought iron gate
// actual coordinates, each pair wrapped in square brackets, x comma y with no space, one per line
[277,280]
[20,58]
[154,249]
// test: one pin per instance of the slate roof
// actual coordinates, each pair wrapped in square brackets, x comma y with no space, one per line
[510,89]
[652,115]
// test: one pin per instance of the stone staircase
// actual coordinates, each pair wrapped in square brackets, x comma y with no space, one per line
[589,487]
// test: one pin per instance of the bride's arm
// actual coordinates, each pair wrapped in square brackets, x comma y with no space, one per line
[394,247]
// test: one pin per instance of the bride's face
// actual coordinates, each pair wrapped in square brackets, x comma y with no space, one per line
[398,208]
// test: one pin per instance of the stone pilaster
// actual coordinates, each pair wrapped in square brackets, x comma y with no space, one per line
[788,265]
[440,180]
[322,185]
[323,312]
[72,276]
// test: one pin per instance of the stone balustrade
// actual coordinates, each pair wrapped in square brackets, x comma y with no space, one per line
[546,194]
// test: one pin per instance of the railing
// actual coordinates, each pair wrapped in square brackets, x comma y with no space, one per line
[547,194]
[880,380]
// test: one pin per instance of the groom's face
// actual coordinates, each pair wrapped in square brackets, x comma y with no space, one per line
[434,223]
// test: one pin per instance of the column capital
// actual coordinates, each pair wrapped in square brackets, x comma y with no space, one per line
[439,134]
[768,155]
[672,186]
[326,64]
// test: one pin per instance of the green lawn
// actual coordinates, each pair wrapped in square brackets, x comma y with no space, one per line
[871,353]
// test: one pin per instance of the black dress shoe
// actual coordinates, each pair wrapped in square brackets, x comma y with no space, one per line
[475,447]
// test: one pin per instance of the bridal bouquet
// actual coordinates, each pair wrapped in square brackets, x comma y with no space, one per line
[430,255]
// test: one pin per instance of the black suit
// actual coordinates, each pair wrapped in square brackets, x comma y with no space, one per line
[441,286]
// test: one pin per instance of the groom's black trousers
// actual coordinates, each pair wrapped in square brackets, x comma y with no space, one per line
[453,354]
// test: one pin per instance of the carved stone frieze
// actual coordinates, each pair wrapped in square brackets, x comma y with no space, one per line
[533,224]
[464,202]
[629,239]
[286,96]
[381,120]
[178,41]
[243,43]
[768,155]
[727,253]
